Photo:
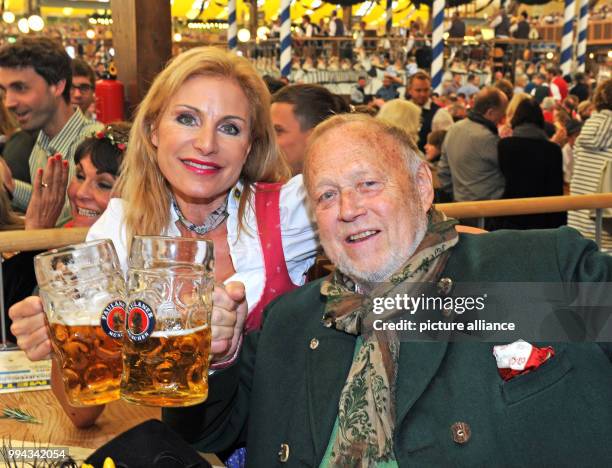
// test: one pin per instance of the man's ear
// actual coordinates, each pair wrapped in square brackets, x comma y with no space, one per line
[424,185]
[58,88]
[488,114]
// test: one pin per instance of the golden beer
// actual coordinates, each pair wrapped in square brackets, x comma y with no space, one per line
[90,363]
[82,289]
[169,368]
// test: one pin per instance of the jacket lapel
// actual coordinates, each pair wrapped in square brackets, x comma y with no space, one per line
[418,364]
[327,366]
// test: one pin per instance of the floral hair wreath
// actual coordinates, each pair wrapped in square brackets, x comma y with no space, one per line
[108,133]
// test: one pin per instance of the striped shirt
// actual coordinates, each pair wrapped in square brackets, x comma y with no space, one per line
[77,128]
[592,150]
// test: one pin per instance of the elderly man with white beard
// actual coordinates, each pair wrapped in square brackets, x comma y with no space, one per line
[320,386]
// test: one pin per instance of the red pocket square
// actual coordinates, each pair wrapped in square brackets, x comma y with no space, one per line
[519,358]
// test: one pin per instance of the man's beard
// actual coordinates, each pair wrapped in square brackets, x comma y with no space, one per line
[397,258]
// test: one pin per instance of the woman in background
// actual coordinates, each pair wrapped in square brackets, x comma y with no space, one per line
[433,147]
[403,114]
[505,129]
[98,160]
[531,165]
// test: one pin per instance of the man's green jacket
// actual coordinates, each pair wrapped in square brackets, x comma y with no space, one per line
[282,397]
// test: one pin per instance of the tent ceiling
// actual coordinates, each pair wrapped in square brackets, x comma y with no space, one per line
[371,11]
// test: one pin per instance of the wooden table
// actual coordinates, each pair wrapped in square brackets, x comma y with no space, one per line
[57,430]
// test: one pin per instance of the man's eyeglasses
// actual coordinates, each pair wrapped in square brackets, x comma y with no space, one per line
[83,88]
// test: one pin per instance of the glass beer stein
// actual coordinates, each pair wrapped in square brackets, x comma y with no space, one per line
[82,289]
[166,346]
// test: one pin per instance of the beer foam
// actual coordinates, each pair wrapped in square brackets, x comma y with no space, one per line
[170,333]
[76,321]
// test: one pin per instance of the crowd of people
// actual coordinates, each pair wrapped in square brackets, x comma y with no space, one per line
[276,174]
[485,137]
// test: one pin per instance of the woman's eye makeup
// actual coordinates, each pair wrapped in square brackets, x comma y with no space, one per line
[185,118]
[230,129]
[189,119]
[104,185]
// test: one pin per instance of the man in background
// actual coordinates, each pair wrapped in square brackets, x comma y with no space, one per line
[501,24]
[296,109]
[581,88]
[540,90]
[336,26]
[82,91]
[454,85]
[36,76]
[522,28]
[558,85]
[358,92]
[389,87]
[472,86]
[469,166]
[457,27]
[336,29]
[433,116]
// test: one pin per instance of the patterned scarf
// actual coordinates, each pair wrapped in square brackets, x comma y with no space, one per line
[366,414]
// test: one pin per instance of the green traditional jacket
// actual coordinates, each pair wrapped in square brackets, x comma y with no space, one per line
[282,397]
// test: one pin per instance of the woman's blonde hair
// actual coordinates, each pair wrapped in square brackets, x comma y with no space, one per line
[142,185]
[514,103]
[403,114]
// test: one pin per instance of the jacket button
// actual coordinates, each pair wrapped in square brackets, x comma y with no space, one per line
[283,453]
[445,285]
[461,432]
[314,343]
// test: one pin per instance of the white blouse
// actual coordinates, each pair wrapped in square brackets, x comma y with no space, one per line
[298,232]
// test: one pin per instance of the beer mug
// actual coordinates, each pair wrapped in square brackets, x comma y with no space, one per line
[166,346]
[82,289]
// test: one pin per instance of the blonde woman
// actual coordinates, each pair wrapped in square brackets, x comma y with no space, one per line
[505,130]
[403,114]
[202,161]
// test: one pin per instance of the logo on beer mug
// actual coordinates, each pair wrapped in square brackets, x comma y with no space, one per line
[113,319]
[140,321]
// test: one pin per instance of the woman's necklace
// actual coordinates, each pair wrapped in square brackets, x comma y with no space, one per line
[213,220]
